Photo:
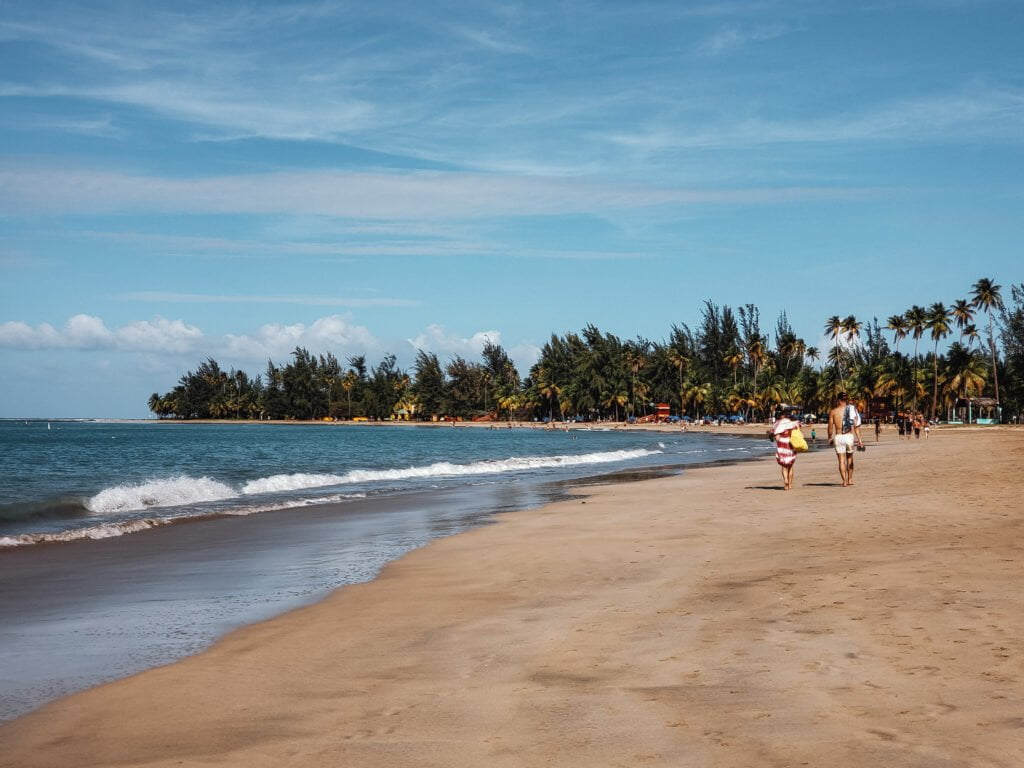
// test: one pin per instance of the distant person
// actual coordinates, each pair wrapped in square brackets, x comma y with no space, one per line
[843,432]
[878,428]
[784,453]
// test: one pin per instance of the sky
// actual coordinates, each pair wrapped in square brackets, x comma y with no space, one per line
[232,180]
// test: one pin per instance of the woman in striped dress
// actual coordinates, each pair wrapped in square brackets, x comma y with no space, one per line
[784,453]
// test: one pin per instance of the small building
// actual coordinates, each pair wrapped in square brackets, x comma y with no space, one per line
[976,410]
[662,411]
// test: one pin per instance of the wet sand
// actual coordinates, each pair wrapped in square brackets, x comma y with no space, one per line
[706,619]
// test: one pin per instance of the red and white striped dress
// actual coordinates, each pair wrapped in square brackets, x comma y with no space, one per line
[784,453]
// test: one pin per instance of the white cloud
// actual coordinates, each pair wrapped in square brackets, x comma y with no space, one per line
[16,334]
[524,355]
[447,345]
[159,335]
[334,333]
[89,332]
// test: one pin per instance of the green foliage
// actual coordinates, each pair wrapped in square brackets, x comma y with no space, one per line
[724,366]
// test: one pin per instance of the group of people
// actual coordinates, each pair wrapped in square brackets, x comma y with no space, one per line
[844,423]
[912,425]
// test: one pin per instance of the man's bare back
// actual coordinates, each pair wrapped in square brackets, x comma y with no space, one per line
[844,442]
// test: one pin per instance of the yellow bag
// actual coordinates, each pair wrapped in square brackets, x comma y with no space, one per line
[797,441]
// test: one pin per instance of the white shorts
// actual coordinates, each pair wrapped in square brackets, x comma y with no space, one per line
[843,443]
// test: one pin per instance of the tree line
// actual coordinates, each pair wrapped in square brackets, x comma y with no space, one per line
[726,364]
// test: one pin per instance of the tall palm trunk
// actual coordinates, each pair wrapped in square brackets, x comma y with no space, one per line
[995,371]
[917,361]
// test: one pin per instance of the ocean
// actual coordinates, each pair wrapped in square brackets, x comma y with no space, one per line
[128,545]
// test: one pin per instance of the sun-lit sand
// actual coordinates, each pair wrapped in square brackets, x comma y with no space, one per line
[703,620]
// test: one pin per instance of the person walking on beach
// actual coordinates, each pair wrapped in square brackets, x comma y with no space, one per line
[878,428]
[784,453]
[843,430]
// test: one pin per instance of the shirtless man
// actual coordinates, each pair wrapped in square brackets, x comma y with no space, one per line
[843,430]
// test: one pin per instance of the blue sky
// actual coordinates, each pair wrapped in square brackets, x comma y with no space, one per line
[182,180]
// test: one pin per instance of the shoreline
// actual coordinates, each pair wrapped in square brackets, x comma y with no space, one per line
[41,604]
[750,429]
[698,617]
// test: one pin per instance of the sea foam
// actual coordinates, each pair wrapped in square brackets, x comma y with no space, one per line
[184,490]
[300,481]
[171,492]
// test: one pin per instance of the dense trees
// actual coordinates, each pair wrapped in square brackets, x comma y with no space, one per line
[727,365]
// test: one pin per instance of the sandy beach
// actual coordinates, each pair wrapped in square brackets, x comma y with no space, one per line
[704,619]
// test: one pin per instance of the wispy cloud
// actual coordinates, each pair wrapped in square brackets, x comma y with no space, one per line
[487,39]
[408,196]
[730,38]
[391,240]
[398,81]
[312,301]
[997,114]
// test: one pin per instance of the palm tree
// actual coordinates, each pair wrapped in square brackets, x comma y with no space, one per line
[971,334]
[851,328]
[773,393]
[733,358]
[917,317]
[680,362]
[963,314]
[987,298]
[813,353]
[636,360]
[899,327]
[894,381]
[347,383]
[697,393]
[757,354]
[938,323]
[615,398]
[736,401]
[511,402]
[834,327]
[547,388]
[965,372]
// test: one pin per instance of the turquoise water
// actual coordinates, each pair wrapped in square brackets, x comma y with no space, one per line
[97,583]
[71,479]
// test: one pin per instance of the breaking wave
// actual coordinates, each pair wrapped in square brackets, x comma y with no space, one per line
[120,509]
[299,481]
[172,492]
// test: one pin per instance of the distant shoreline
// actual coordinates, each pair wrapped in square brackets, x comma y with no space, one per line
[753,429]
